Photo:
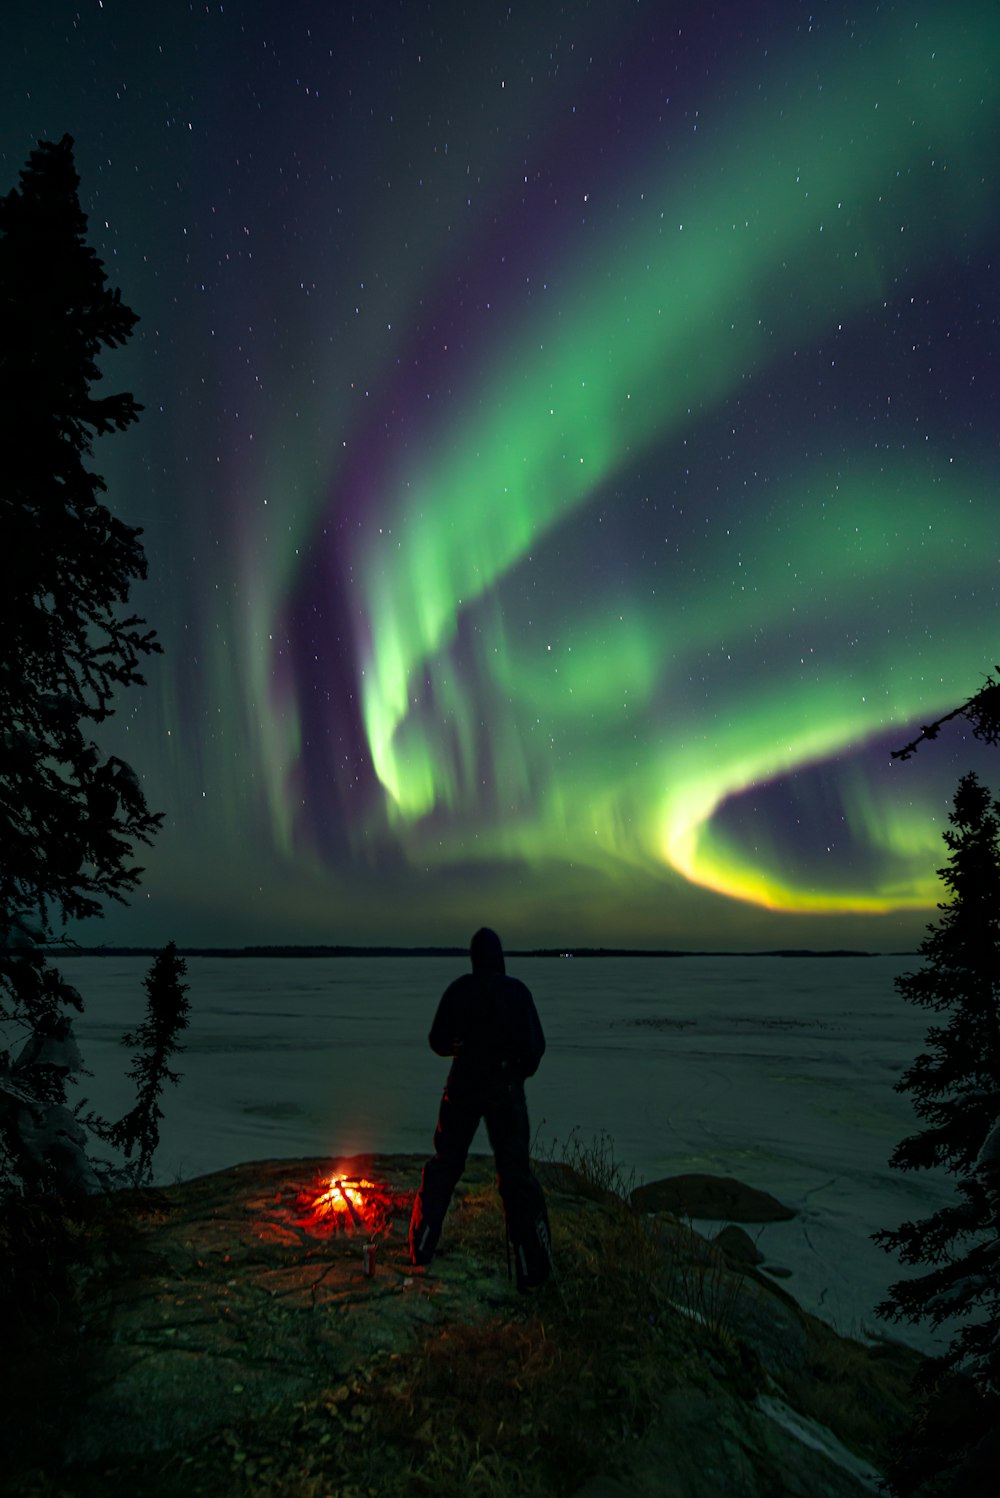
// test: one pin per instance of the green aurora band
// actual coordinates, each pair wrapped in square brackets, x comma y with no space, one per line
[594,755]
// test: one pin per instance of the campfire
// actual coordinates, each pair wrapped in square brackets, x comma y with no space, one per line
[345,1202]
[349,1204]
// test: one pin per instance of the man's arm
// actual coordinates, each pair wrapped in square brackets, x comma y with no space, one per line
[533,1038]
[444,1038]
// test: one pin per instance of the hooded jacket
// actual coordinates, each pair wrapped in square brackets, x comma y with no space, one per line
[488,1021]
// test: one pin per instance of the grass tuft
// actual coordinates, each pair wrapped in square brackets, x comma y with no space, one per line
[594,1161]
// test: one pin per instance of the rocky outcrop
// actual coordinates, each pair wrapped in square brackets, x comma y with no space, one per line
[716,1198]
[227,1342]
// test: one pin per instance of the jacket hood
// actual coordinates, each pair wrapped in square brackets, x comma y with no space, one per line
[486,952]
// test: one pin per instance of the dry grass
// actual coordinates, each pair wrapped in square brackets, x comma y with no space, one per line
[476,1410]
[535,1400]
[700,1281]
[864,1393]
[593,1161]
[708,1294]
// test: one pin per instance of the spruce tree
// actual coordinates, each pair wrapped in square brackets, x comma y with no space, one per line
[981,711]
[69,815]
[955,1086]
[166,1015]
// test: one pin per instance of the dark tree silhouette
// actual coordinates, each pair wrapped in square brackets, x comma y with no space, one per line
[69,816]
[956,1089]
[166,1015]
[982,710]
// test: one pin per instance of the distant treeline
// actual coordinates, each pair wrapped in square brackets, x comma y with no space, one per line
[459,952]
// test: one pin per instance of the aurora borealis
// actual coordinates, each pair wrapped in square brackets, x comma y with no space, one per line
[569,463]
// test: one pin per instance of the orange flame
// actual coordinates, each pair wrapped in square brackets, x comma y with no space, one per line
[343,1194]
[344,1203]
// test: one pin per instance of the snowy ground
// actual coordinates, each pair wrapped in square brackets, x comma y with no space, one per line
[778,1071]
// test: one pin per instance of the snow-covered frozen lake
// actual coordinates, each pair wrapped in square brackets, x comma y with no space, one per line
[778,1071]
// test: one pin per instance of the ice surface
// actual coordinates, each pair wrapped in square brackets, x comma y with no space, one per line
[778,1071]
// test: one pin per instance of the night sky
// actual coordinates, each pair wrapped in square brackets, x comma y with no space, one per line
[569,459]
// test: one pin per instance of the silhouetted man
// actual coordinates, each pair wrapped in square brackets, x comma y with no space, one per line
[489,1023]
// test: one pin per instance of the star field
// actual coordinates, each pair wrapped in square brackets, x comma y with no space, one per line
[569,458]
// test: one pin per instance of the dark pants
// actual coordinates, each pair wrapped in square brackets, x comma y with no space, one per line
[502,1105]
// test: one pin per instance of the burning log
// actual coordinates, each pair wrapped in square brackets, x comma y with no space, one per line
[338,1187]
[348,1203]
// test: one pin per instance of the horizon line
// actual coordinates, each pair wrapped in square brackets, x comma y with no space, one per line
[293,949]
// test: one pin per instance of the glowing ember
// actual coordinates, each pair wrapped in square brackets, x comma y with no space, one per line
[344,1196]
[345,1203]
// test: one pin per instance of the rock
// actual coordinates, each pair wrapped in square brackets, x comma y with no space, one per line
[717,1198]
[733,1298]
[705,1445]
[230,1332]
[773,1325]
[229,1306]
[738,1246]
